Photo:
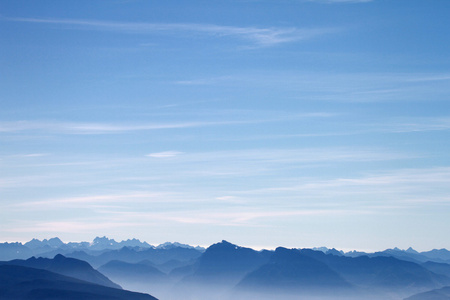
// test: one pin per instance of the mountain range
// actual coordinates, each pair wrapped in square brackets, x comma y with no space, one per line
[226,271]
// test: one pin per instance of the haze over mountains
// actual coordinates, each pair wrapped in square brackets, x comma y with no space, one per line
[222,271]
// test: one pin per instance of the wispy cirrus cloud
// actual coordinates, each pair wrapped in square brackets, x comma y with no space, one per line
[418,124]
[117,219]
[28,155]
[340,1]
[257,36]
[164,154]
[291,156]
[207,81]
[94,200]
[401,187]
[111,128]
[235,216]
[100,128]
[72,226]
[340,87]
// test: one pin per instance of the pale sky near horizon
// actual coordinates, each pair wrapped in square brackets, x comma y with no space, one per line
[266,123]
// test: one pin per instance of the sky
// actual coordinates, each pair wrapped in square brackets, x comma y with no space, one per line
[295,123]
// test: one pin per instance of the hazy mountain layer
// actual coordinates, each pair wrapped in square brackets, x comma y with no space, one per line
[226,271]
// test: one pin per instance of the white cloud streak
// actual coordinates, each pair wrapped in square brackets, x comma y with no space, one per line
[378,193]
[133,219]
[99,128]
[401,187]
[72,227]
[420,125]
[111,128]
[291,156]
[84,201]
[260,37]
[165,154]
[234,217]
[340,1]
[338,87]
[177,165]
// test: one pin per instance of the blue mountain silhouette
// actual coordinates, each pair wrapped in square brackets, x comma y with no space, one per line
[24,283]
[66,266]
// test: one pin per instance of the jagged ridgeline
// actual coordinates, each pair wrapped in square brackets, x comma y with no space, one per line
[106,269]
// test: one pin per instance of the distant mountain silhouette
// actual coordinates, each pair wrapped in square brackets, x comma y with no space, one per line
[102,243]
[51,243]
[438,268]
[23,283]
[169,245]
[334,252]
[66,266]
[436,255]
[381,272]
[441,256]
[137,254]
[437,294]
[227,271]
[227,263]
[289,271]
[329,251]
[172,264]
[183,271]
[412,256]
[10,251]
[411,250]
[53,246]
[216,271]
[132,271]
[140,276]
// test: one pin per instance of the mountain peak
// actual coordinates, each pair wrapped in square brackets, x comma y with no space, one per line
[224,242]
[34,243]
[104,243]
[223,245]
[335,252]
[54,242]
[103,239]
[59,257]
[323,249]
[135,243]
[411,250]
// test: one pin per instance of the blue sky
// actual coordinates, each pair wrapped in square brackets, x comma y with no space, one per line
[295,123]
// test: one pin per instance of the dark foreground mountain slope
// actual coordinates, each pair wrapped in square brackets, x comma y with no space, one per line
[23,283]
[66,266]
[438,294]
